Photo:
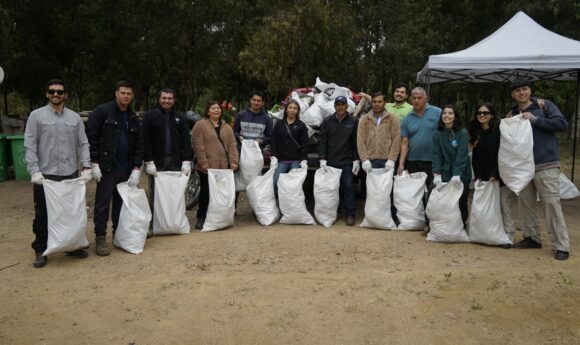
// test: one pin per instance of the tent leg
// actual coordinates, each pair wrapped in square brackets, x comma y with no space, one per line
[576,106]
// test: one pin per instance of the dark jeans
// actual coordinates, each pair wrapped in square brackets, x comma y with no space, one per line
[347,201]
[463,202]
[203,196]
[40,221]
[378,163]
[107,190]
[422,166]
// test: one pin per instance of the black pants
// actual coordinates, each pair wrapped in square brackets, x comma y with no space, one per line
[40,222]
[107,190]
[422,166]
[463,202]
[203,196]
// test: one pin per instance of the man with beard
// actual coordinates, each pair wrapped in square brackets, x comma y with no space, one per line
[400,107]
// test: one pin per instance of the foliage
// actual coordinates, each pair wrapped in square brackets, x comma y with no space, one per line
[225,49]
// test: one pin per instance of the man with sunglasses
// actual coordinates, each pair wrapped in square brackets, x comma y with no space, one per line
[546,120]
[116,155]
[55,142]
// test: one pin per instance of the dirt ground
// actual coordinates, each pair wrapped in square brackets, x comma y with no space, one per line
[285,285]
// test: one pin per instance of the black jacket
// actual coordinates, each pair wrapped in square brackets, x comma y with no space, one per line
[103,132]
[484,154]
[338,140]
[153,136]
[282,145]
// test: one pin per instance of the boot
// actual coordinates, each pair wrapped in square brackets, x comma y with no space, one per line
[102,249]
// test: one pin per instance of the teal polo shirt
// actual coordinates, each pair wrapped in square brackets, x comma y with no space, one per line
[400,110]
[419,130]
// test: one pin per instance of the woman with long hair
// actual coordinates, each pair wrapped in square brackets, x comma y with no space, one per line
[451,155]
[485,137]
[215,148]
[289,142]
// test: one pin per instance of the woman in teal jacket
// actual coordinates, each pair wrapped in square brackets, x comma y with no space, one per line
[450,155]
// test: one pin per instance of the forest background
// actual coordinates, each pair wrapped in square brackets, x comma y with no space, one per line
[225,49]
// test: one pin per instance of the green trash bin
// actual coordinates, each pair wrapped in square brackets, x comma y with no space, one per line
[18,156]
[4,153]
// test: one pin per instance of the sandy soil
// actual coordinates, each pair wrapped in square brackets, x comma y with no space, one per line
[285,285]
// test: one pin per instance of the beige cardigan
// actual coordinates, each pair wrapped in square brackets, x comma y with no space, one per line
[209,151]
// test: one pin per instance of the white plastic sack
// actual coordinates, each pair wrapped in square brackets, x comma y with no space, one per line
[262,199]
[378,203]
[251,164]
[485,220]
[516,153]
[568,189]
[444,215]
[134,219]
[291,198]
[169,205]
[332,90]
[313,115]
[409,190]
[222,197]
[326,195]
[66,208]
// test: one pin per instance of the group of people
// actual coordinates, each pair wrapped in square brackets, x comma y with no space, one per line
[416,137]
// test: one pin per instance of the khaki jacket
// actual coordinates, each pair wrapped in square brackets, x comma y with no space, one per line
[210,152]
[382,142]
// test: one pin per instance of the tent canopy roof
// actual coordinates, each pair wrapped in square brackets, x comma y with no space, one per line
[521,47]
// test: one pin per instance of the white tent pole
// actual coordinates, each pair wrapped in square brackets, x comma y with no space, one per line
[576,106]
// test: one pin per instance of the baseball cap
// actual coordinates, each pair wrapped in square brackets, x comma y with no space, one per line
[340,99]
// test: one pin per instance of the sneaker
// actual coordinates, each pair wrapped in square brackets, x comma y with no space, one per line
[79,253]
[425,231]
[39,261]
[561,255]
[101,248]
[349,220]
[527,243]
[199,224]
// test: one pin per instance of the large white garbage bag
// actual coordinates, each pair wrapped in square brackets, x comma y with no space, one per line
[169,205]
[262,199]
[444,215]
[378,203]
[516,153]
[409,190]
[313,115]
[326,195]
[291,198]
[332,90]
[134,219]
[66,208]
[251,164]
[485,221]
[222,197]
[568,189]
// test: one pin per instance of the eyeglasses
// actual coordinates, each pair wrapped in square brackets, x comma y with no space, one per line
[52,92]
[482,113]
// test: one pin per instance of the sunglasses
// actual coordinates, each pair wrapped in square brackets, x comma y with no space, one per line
[52,92]
[482,113]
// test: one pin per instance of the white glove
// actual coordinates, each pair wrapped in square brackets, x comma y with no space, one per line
[323,164]
[355,167]
[304,165]
[96,172]
[150,168]
[133,180]
[437,180]
[186,168]
[86,175]
[37,178]
[367,166]
[456,179]
[273,163]
[390,165]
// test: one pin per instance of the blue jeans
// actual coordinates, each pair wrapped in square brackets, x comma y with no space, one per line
[378,163]
[284,167]
[347,201]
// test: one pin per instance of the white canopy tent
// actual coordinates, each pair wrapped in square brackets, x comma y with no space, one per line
[520,48]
